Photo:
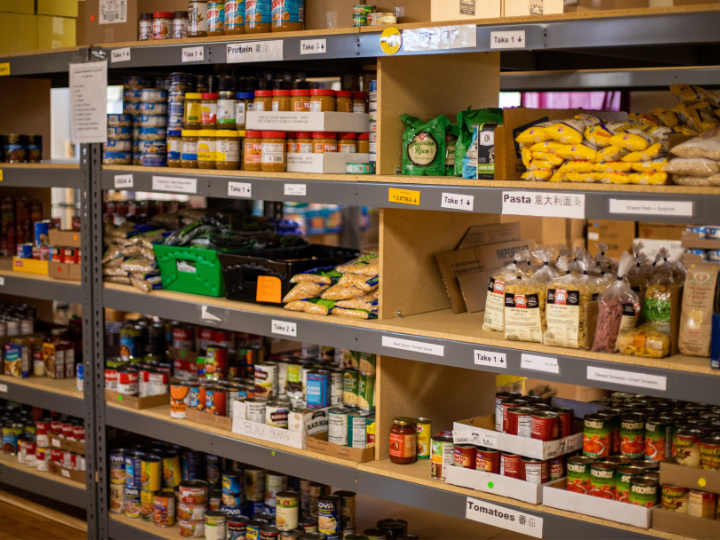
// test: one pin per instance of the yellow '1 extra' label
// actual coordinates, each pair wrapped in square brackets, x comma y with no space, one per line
[4,69]
[404,196]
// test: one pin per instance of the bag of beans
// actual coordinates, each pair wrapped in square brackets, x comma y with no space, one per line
[699,299]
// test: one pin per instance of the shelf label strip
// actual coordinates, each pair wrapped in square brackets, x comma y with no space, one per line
[240,189]
[490,359]
[3,388]
[167,183]
[543,204]
[313,46]
[193,54]
[458,202]
[439,38]
[652,208]
[124,181]
[627,378]
[120,55]
[255,51]
[284,328]
[506,518]
[539,363]
[413,346]
[508,39]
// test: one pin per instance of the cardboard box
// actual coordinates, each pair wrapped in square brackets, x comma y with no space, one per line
[523,8]
[503,486]
[618,235]
[30,266]
[319,443]
[481,431]
[64,271]
[457,10]
[18,33]
[134,402]
[652,247]
[693,240]
[574,229]
[544,230]
[76,476]
[26,7]
[58,8]
[335,162]
[557,496]
[309,121]
[603,5]
[55,32]
[679,475]
[483,235]
[77,447]
[660,231]
[91,32]
[205,418]
[685,526]
[568,391]
[65,238]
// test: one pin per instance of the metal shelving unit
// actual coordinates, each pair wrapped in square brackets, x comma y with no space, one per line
[29,286]
[42,175]
[43,483]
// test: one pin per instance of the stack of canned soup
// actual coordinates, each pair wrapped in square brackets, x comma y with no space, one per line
[373,112]
[152,123]
[118,148]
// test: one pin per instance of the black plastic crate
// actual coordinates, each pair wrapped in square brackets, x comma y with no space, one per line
[273,268]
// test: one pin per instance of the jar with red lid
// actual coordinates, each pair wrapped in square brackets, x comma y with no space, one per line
[403,441]
[281,100]
[324,141]
[208,110]
[360,102]
[272,157]
[344,101]
[291,144]
[300,100]
[322,100]
[162,23]
[252,151]
[263,100]
[363,143]
[347,143]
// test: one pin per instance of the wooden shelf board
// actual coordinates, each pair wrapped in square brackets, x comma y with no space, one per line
[66,387]
[172,533]
[45,51]
[45,164]
[12,462]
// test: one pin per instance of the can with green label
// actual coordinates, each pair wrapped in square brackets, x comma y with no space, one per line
[624,476]
[632,435]
[597,435]
[578,474]
[357,429]
[658,438]
[603,480]
[351,380]
[644,492]
[366,392]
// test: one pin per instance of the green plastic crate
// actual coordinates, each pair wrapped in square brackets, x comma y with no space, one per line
[184,269]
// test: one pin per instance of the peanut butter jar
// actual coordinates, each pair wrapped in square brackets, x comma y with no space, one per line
[322,100]
[227,154]
[252,151]
[272,158]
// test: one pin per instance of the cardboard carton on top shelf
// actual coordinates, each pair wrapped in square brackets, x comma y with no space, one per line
[523,8]
[660,231]
[65,238]
[55,32]
[457,10]
[58,8]
[134,402]
[91,32]
[18,33]
[26,7]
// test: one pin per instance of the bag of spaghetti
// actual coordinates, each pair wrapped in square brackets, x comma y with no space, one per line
[698,301]
[495,300]
[567,297]
[618,309]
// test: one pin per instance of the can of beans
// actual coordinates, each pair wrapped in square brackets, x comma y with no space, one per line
[675,498]
[465,456]
[488,460]
[329,514]
[603,480]
[117,498]
[511,465]
[215,525]
[566,416]
[443,455]
[133,469]
[687,447]
[277,411]
[212,470]
[147,505]
[132,502]
[544,425]
[287,510]
[536,471]
[519,421]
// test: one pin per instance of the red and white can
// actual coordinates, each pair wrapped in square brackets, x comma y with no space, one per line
[536,471]
[206,337]
[111,379]
[505,406]
[42,459]
[79,432]
[545,426]
[143,379]
[30,453]
[519,421]
[158,382]
[56,456]
[80,463]
[127,383]
[183,338]
[67,430]
[223,338]
[56,426]
[21,450]
[42,432]
[465,456]
[566,417]
[68,461]
[488,460]
[71,255]
[499,398]
[511,465]
[558,468]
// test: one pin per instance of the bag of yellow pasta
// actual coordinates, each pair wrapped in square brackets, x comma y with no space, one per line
[654,165]
[655,151]
[611,153]
[665,116]
[567,297]
[579,152]
[524,309]
[535,134]
[547,156]
[541,175]
[495,300]
[571,131]
[698,302]
[550,147]
[655,178]
[578,166]
[586,177]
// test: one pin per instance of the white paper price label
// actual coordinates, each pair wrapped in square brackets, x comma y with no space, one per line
[508,39]
[652,208]
[56,442]
[505,518]
[239,189]
[543,204]
[124,181]
[193,54]
[254,51]
[487,440]
[539,363]
[298,190]
[284,328]
[313,46]
[458,202]
[65,473]
[413,346]
[627,378]
[485,358]
[120,55]
[3,388]
[182,185]
[2,281]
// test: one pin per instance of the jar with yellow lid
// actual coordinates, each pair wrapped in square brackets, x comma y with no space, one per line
[263,100]
[208,116]
[287,16]
[272,158]
[363,143]
[189,154]
[324,141]
[322,100]
[344,101]
[252,151]
[174,146]
[281,100]
[207,146]
[347,143]
[360,102]
[227,154]
[290,145]
[193,111]
[300,100]
[304,142]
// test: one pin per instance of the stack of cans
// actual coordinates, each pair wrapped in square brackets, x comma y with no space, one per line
[132,89]
[373,111]
[153,119]
[118,148]
[180,84]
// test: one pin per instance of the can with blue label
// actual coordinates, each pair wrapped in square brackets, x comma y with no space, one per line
[329,514]
[152,133]
[153,109]
[252,531]
[154,160]
[117,158]
[233,482]
[42,232]
[117,466]
[701,231]
[153,95]
[176,107]
[132,502]
[234,512]
[712,232]
[34,148]
[714,255]
[24,251]
[256,507]
[695,251]
[317,389]
[212,469]
[152,147]
[715,342]
[131,96]
[118,145]
[134,82]
[116,120]
[133,469]
[79,376]
[149,120]
[132,109]
[191,465]
[256,12]
[120,132]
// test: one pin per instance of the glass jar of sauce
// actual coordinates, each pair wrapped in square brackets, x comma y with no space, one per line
[174,147]
[193,111]
[304,142]
[252,151]
[360,101]
[189,154]
[208,111]
[215,18]
[324,141]
[180,25]
[263,100]
[403,441]
[344,101]
[291,142]
[227,155]
[322,100]
[242,106]
[197,13]
[234,17]
[162,21]
[145,29]
[258,17]
[288,16]
[272,158]
[281,100]
[347,143]
[207,146]
[226,109]
[363,143]
[300,100]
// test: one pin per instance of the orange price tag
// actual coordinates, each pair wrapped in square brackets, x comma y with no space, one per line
[269,289]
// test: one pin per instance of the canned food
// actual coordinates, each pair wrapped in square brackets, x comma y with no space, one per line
[702,504]
[675,498]
[276,413]
[624,475]
[256,409]
[710,453]
[566,417]
[632,435]
[511,465]
[644,492]
[265,380]
[351,381]
[536,471]
[557,468]
[317,389]
[133,469]
[212,470]
[348,505]
[424,430]
[687,447]
[465,456]
[193,491]
[255,484]
[658,438]
[603,480]
[164,508]
[233,482]
[287,510]
[544,425]
[179,399]
[338,426]
[192,529]
[274,484]
[147,505]
[151,476]
[597,435]
[216,400]
[519,421]
[132,502]
[487,459]
[191,512]
[713,232]
[215,525]
[357,429]
[329,521]
[117,498]
[237,527]
[443,455]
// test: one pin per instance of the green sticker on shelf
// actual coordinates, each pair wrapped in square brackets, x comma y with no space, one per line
[491,485]
[273,453]
[182,353]
[119,397]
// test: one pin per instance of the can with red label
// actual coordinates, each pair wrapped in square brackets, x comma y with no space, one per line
[58,254]
[206,337]
[511,465]
[143,376]
[488,460]
[111,378]
[56,426]
[56,456]
[519,421]
[216,400]
[216,363]
[535,471]
[158,382]
[30,452]
[545,425]
[67,460]
[67,430]
[183,338]
[78,256]
[499,398]
[566,416]
[505,406]
[557,468]
[465,456]
[76,223]
[42,432]
[42,458]
[71,255]
[79,432]
[127,383]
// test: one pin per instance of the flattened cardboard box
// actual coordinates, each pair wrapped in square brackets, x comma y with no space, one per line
[685,525]
[319,443]
[134,402]
[75,476]
[77,447]
[202,417]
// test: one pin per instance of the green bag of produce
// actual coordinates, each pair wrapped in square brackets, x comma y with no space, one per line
[424,146]
[467,121]
[451,135]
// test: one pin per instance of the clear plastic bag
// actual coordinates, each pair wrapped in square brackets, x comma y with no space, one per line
[495,301]
[545,272]
[692,166]
[702,181]
[524,309]
[706,145]
[364,283]
[314,306]
[367,265]
[305,290]
[338,292]
[324,275]
[567,297]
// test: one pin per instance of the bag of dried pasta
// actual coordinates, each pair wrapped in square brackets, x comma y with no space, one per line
[316,306]
[618,309]
[567,297]
[524,310]
[312,283]
[367,265]
[545,273]
[495,300]
[697,309]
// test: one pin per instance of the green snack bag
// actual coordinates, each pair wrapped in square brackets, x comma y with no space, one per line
[451,135]
[467,122]
[424,146]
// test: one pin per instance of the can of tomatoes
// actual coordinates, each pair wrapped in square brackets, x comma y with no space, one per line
[511,465]
[603,480]
[465,456]
[578,474]
[566,416]
[597,435]
[487,459]
[658,438]
[632,435]
[536,471]
[500,397]
[557,468]
[624,476]
[519,421]
[505,406]
[544,425]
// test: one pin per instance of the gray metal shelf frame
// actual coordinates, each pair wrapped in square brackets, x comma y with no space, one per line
[41,177]
[62,291]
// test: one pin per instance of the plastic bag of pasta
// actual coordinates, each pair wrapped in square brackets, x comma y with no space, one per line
[524,309]
[618,310]
[354,313]
[567,297]
[697,309]
[545,273]
[706,145]
[367,265]
[571,131]
[324,275]
[495,300]
[364,283]
[305,290]
[316,306]
[638,277]
[368,302]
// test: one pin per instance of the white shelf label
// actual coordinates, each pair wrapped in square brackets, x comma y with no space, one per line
[485,358]
[627,378]
[506,518]
[413,346]
[313,46]
[167,183]
[3,388]
[193,54]
[458,202]
[439,38]
[56,442]
[299,190]
[543,204]
[652,208]
[124,181]
[539,363]
[254,51]
[2,281]
[65,473]
[284,328]
[508,39]
[120,55]
[239,189]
